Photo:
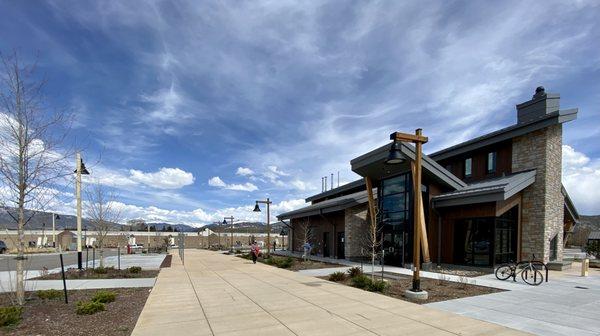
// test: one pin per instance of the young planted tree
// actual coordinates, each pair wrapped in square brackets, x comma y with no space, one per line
[32,158]
[305,236]
[103,212]
[371,240]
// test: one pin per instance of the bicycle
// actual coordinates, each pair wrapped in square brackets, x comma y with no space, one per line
[529,272]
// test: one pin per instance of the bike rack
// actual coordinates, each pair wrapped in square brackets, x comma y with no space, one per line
[538,263]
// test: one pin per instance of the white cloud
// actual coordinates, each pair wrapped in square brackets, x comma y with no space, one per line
[164,178]
[275,170]
[581,178]
[243,171]
[216,181]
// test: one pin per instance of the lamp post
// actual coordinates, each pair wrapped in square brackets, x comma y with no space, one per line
[80,170]
[43,234]
[54,218]
[395,157]
[230,232]
[283,234]
[257,209]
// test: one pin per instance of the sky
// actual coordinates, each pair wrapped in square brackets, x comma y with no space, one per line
[192,110]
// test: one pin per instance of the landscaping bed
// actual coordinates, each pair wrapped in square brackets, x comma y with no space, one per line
[102,273]
[290,263]
[437,289]
[51,316]
[167,261]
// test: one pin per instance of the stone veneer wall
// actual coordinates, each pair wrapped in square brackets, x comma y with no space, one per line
[542,210]
[356,229]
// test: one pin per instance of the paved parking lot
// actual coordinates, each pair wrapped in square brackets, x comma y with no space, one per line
[566,305]
[216,294]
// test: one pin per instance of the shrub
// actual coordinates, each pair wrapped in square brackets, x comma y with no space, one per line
[354,271]
[10,316]
[593,248]
[89,308]
[377,286]
[337,276]
[361,281]
[135,269]
[104,296]
[284,262]
[100,270]
[49,294]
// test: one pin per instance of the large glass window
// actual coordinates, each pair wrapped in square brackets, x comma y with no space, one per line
[395,199]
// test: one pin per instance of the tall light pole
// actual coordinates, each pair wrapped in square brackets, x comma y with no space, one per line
[231,230]
[80,170]
[257,209]
[395,157]
[54,218]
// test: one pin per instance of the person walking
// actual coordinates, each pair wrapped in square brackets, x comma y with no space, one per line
[255,251]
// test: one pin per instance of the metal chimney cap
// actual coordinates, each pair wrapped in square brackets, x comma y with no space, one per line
[539,92]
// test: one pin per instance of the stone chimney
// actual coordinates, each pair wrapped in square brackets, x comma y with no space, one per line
[540,105]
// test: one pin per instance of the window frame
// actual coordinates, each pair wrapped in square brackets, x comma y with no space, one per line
[494,160]
[470,165]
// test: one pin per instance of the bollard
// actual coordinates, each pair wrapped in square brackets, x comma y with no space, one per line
[93,258]
[62,269]
[585,267]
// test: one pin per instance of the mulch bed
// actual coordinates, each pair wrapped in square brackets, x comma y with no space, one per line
[298,264]
[438,290]
[92,274]
[167,261]
[54,317]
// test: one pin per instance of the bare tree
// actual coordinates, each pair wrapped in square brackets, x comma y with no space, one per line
[371,241]
[305,235]
[103,212]
[31,157]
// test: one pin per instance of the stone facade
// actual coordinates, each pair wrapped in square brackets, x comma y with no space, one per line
[542,210]
[356,230]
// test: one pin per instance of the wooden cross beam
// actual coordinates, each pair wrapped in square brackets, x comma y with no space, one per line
[406,137]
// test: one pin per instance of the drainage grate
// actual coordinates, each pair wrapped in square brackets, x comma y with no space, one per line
[580,287]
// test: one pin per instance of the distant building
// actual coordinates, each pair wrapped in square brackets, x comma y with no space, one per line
[489,200]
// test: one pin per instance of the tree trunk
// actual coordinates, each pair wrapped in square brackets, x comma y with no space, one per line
[373,263]
[20,278]
[101,257]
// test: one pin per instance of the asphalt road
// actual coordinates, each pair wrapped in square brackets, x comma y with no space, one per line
[50,261]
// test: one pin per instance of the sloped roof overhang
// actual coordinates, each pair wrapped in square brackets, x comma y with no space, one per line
[372,164]
[493,190]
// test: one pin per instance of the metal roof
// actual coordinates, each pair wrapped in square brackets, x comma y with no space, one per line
[340,189]
[327,206]
[376,159]
[570,207]
[491,190]
[594,235]
[506,133]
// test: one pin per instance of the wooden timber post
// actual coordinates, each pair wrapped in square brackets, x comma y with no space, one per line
[423,229]
[418,139]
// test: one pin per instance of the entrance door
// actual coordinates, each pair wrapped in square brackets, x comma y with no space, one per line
[394,244]
[326,244]
[340,245]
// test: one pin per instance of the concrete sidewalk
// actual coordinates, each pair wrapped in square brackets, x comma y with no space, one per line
[216,294]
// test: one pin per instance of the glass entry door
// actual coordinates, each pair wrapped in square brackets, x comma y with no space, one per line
[394,244]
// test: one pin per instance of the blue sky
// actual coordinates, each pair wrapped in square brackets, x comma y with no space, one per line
[196,109]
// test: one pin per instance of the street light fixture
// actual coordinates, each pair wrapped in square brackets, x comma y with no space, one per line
[231,231]
[395,154]
[257,209]
[79,170]
[395,157]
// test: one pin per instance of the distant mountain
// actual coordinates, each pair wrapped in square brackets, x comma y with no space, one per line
[250,227]
[168,226]
[39,219]
[592,222]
